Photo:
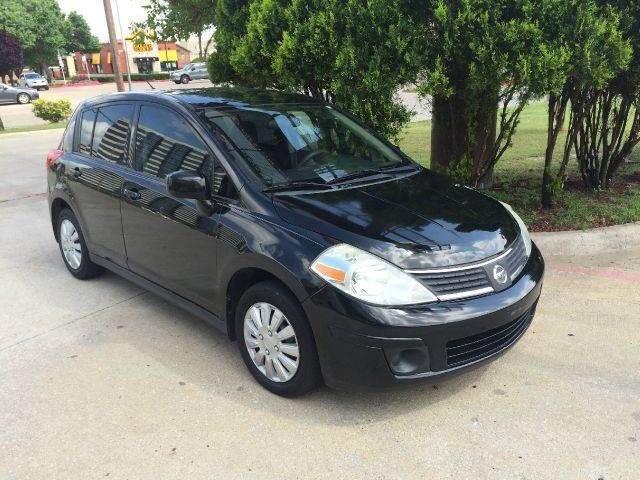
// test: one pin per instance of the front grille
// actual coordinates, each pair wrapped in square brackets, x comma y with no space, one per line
[467,281]
[517,258]
[467,349]
[455,282]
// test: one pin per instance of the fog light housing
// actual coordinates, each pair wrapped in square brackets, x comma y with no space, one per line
[408,360]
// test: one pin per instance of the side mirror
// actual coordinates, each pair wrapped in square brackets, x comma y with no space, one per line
[183,184]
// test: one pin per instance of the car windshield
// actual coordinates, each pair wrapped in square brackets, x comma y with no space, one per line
[32,75]
[300,143]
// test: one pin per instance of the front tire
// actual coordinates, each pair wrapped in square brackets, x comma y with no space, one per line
[73,247]
[23,98]
[275,340]
[184,79]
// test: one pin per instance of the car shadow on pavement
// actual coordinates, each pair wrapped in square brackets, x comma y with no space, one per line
[202,357]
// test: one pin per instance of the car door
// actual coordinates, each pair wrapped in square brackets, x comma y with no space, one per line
[169,241]
[7,94]
[200,71]
[94,176]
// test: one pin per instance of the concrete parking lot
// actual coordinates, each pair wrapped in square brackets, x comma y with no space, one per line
[21,115]
[102,379]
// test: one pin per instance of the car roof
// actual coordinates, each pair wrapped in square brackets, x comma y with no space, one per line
[214,97]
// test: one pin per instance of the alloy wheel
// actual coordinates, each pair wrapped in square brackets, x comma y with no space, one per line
[70,244]
[23,98]
[271,342]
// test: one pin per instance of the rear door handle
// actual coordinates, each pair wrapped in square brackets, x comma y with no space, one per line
[132,194]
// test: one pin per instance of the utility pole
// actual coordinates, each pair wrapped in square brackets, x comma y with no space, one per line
[114,45]
[124,44]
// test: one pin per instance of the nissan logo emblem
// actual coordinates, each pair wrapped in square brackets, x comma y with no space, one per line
[500,274]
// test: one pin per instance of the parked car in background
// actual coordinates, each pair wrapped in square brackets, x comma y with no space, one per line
[33,80]
[321,248]
[9,94]
[191,71]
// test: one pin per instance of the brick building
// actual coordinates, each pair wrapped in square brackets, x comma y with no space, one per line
[152,57]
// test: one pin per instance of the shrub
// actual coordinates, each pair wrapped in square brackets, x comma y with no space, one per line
[52,110]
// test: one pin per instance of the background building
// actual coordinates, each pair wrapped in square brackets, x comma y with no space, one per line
[151,57]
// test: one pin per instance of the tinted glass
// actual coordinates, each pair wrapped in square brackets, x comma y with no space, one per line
[310,143]
[111,133]
[32,75]
[86,131]
[221,184]
[67,139]
[165,143]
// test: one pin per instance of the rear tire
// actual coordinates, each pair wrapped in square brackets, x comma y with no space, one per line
[177,82]
[301,372]
[73,247]
[23,98]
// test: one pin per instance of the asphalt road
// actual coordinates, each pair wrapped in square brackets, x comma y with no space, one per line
[14,115]
[101,379]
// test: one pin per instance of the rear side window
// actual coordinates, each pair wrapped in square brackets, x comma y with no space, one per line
[165,143]
[67,138]
[111,133]
[86,131]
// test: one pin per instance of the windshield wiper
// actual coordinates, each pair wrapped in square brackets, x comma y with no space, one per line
[297,185]
[383,172]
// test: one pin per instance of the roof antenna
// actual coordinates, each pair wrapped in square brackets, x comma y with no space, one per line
[152,87]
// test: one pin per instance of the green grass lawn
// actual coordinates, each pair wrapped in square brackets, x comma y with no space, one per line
[518,179]
[33,128]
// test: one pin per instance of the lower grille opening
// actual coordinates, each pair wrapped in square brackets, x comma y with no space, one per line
[468,349]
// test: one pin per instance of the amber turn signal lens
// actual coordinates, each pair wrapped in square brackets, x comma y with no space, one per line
[333,273]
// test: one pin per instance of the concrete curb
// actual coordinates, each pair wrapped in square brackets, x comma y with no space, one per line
[588,242]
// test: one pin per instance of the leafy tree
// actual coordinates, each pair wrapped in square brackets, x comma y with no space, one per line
[606,119]
[484,60]
[39,26]
[10,55]
[591,49]
[348,52]
[178,19]
[231,26]
[78,37]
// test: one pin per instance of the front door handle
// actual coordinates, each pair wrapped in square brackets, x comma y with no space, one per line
[132,194]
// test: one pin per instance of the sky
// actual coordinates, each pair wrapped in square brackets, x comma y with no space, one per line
[93,12]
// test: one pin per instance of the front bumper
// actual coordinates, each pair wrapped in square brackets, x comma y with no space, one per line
[363,347]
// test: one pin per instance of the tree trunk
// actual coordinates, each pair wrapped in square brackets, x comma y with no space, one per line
[448,132]
[484,138]
[552,137]
[200,45]
[460,146]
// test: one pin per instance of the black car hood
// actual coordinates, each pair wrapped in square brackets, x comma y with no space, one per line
[415,222]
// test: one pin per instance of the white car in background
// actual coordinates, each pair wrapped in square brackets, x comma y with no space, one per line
[33,80]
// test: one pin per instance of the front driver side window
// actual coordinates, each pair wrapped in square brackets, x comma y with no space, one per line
[165,143]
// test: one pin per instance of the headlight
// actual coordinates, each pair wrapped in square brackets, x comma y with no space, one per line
[523,228]
[369,278]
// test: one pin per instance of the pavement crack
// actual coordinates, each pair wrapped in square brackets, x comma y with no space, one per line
[32,337]
[30,195]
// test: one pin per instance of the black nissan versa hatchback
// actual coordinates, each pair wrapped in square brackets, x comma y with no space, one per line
[322,249]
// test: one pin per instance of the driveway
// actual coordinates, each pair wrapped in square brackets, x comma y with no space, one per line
[21,115]
[102,379]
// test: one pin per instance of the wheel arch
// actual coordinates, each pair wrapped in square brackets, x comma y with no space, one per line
[243,279]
